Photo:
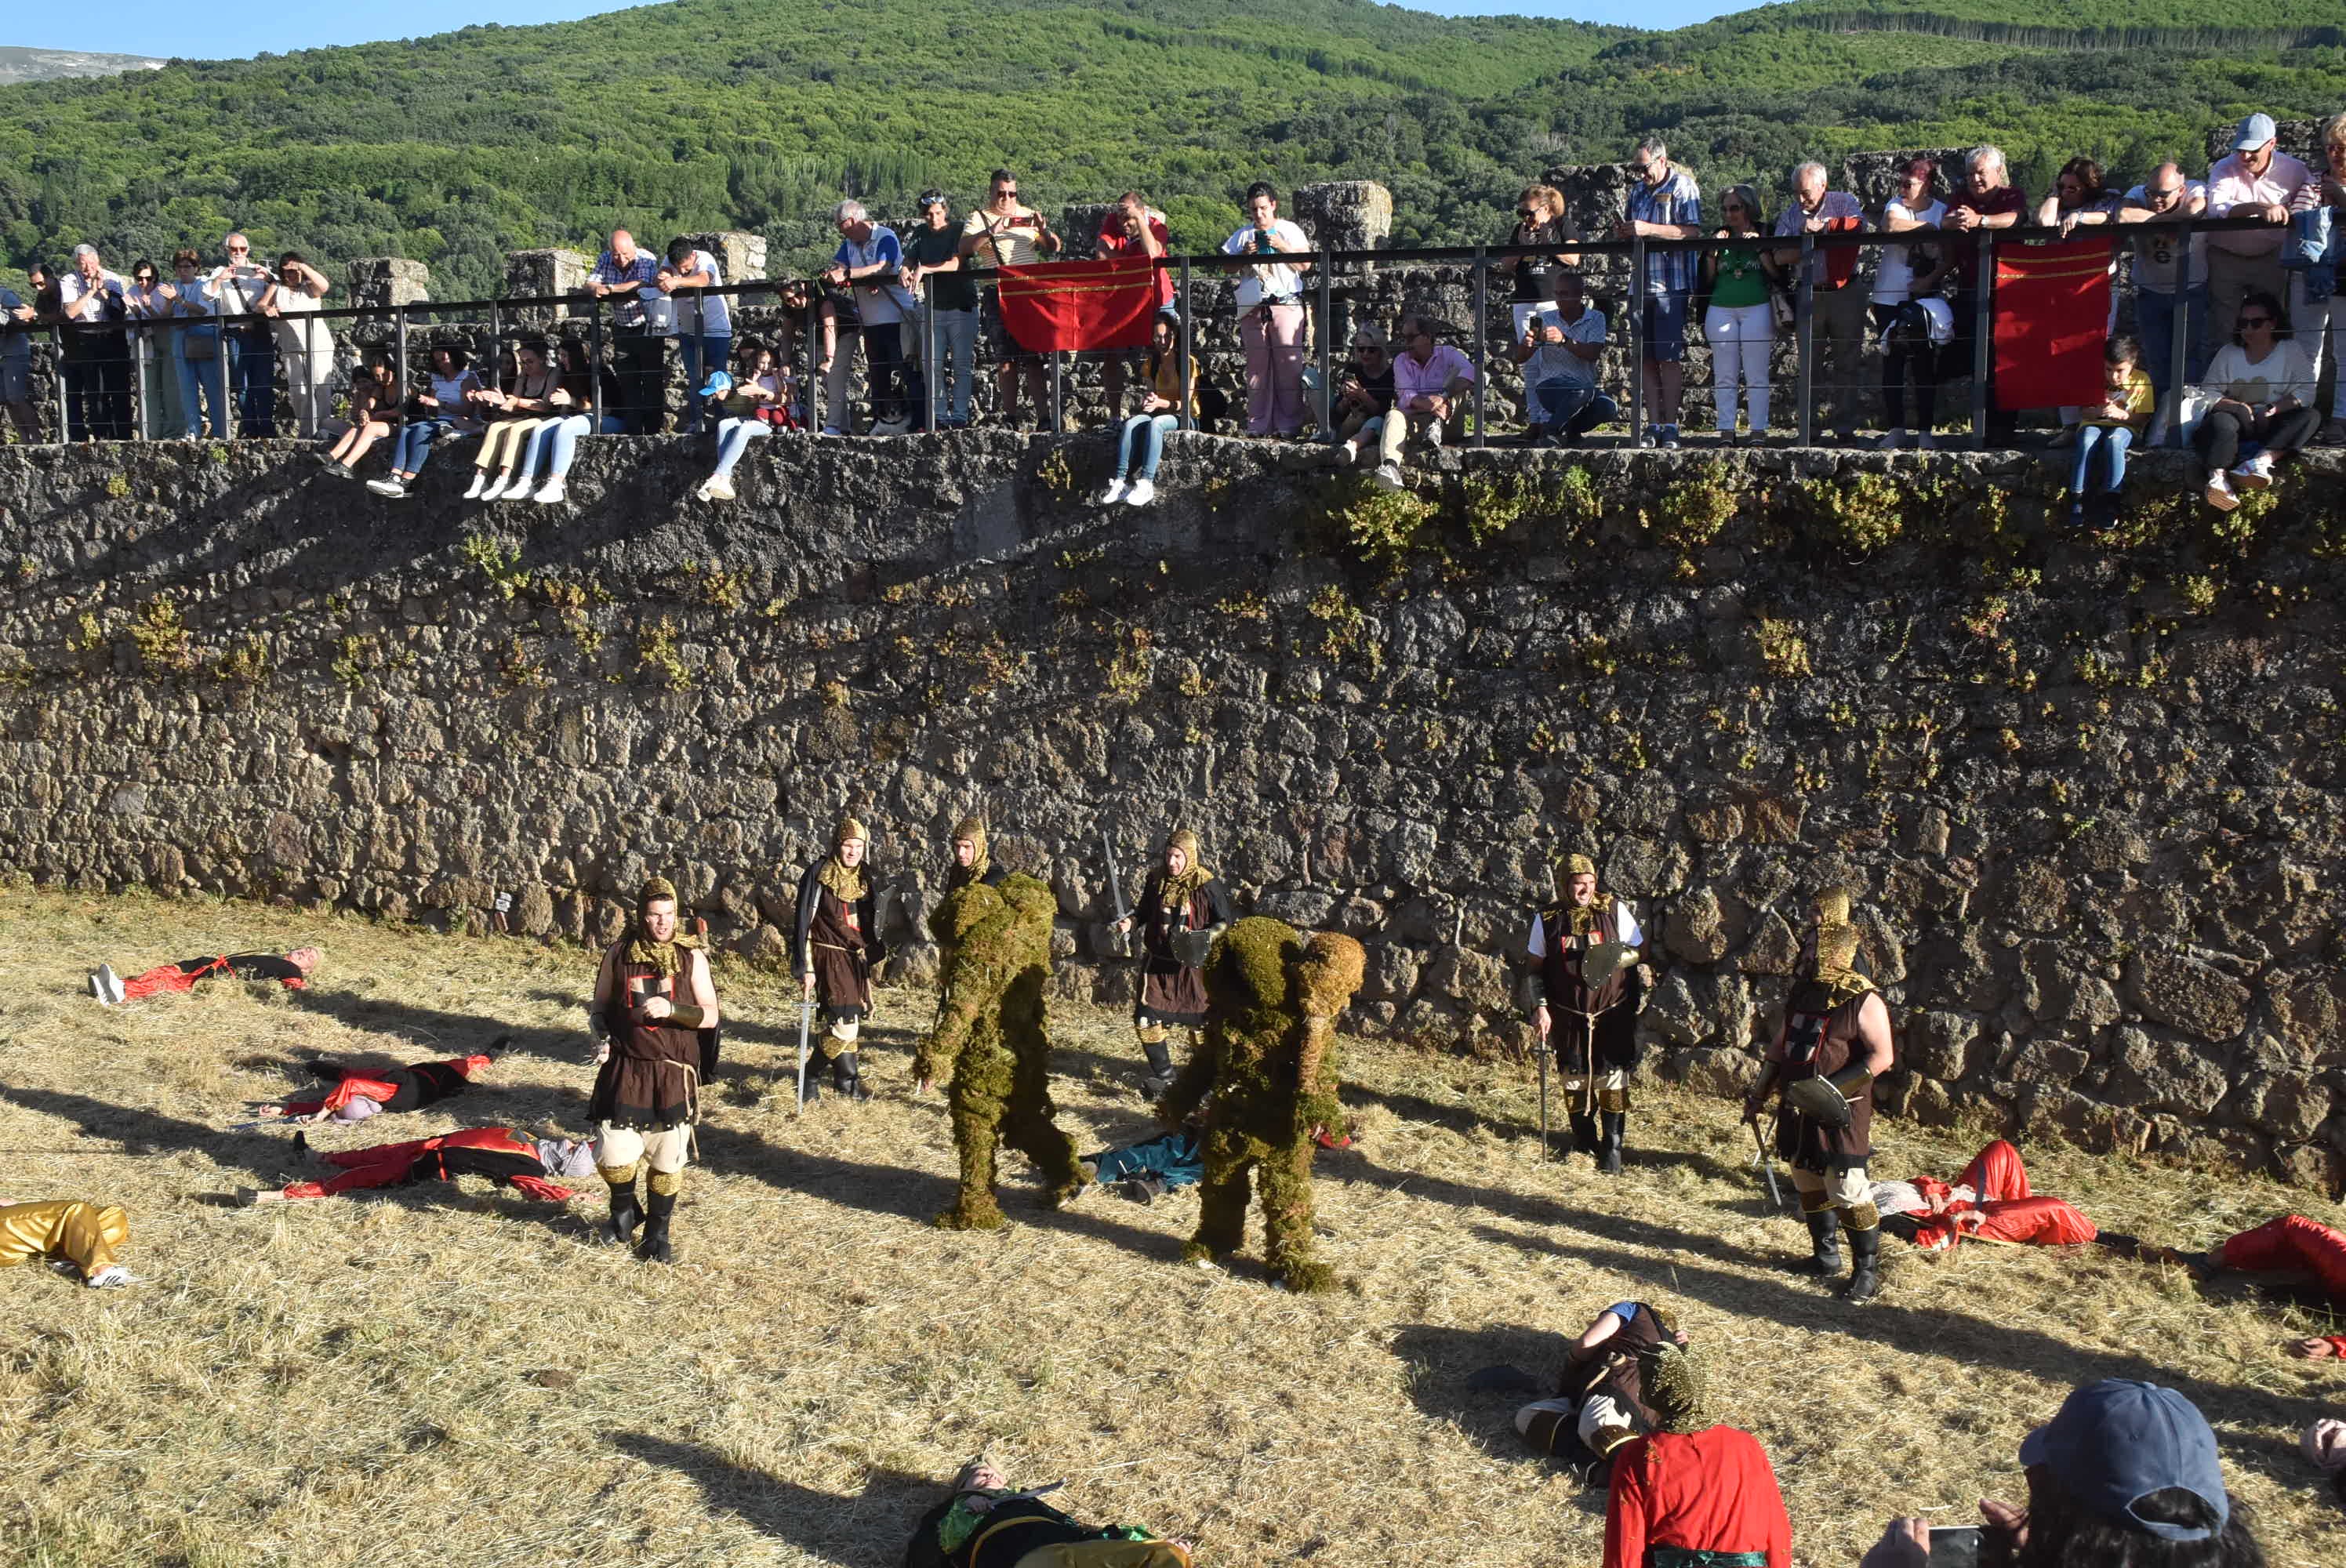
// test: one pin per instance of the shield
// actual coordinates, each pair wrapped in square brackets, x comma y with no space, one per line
[1190,947]
[1603,960]
[1825,1101]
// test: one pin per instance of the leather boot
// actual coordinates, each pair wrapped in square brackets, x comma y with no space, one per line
[1824,1234]
[1617,1127]
[845,1080]
[654,1247]
[1865,1264]
[1159,1076]
[625,1215]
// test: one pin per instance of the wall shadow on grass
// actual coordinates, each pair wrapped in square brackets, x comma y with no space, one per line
[866,1529]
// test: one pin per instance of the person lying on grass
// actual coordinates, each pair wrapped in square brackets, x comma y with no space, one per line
[2291,1245]
[985,1523]
[361,1092]
[69,1231]
[1598,1405]
[289,970]
[500,1153]
[1990,1200]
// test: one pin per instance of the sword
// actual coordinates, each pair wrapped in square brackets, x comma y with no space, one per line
[1766,1165]
[1545,1151]
[1115,890]
[806,1011]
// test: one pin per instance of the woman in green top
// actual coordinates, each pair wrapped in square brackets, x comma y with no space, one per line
[1740,321]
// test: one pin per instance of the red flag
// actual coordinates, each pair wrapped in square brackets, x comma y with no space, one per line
[2052,322]
[1069,306]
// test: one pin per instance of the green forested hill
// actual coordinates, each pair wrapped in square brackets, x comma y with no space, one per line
[758,113]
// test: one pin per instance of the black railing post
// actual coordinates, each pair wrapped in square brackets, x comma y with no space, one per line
[1327,392]
[595,369]
[57,383]
[1057,423]
[1983,335]
[816,375]
[1636,313]
[135,339]
[1482,337]
[496,348]
[399,347]
[1804,332]
[2179,358]
[228,416]
[932,366]
[1187,401]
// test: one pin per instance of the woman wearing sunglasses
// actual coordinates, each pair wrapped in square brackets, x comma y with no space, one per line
[2262,388]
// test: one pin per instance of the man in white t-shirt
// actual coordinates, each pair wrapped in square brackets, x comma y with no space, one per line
[1271,316]
[1005,232]
[870,262]
[704,323]
[245,289]
[1903,274]
[98,364]
[2169,278]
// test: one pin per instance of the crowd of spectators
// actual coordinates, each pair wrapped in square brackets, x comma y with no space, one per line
[223,342]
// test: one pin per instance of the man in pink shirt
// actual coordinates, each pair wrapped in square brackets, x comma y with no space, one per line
[1428,379]
[2255,181]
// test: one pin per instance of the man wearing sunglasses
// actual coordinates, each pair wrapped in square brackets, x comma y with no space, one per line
[1665,203]
[247,291]
[1005,232]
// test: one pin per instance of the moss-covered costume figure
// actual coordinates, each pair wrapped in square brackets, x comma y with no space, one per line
[652,997]
[1835,1042]
[992,1035]
[970,860]
[1269,1058]
[1180,910]
[834,949]
[1586,986]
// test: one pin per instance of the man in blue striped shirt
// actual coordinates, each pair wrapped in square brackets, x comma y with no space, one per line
[1665,203]
[639,358]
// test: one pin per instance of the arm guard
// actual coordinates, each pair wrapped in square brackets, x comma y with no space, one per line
[598,1022]
[685,1015]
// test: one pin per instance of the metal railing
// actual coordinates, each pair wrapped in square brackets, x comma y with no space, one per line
[1337,281]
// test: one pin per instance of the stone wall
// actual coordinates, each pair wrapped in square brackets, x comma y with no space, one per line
[2085,787]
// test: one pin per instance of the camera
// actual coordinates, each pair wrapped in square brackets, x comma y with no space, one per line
[1956,1545]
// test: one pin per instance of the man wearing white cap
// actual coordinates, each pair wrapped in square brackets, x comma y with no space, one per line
[2255,181]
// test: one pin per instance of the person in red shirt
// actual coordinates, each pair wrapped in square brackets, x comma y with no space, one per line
[361,1091]
[291,971]
[2290,1245]
[1991,1200]
[500,1153]
[1132,227]
[1693,1492]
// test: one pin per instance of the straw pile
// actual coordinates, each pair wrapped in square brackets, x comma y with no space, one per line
[456,1376]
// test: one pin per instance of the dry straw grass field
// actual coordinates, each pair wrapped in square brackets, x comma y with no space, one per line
[434,1375]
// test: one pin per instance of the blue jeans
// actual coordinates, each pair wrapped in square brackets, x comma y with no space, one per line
[1147,433]
[956,334]
[204,379]
[701,353]
[412,447]
[557,443]
[2153,320]
[734,438]
[2111,441]
[1571,408]
[256,381]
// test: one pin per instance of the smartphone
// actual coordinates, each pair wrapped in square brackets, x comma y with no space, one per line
[1955,1545]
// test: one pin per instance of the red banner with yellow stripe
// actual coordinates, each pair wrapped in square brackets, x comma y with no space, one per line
[1071,306]
[2052,314]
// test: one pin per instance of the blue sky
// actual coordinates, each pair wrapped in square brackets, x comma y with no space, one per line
[210,32]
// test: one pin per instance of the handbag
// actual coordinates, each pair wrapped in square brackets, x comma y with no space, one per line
[200,342]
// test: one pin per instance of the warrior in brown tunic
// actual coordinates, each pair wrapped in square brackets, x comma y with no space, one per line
[1180,910]
[836,946]
[1599,1401]
[652,998]
[1836,1038]
[1588,1018]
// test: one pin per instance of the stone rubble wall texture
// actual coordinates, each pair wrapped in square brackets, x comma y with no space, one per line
[2087,792]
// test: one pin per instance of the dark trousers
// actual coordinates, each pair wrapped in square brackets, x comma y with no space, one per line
[640,361]
[256,382]
[883,363]
[1901,356]
[2222,429]
[1955,362]
[98,387]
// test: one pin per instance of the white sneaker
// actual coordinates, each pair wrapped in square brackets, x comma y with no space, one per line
[1117,490]
[480,484]
[109,986]
[832,430]
[2256,473]
[1351,451]
[2220,492]
[110,1277]
[1926,442]
[1434,435]
[1143,492]
[893,427]
[705,490]
[390,487]
[719,489]
[496,489]
[1891,440]
[552,492]
[516,488]
[1389,475]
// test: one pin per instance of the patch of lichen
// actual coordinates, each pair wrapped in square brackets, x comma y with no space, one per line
[1269,1060]
[993,1034]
